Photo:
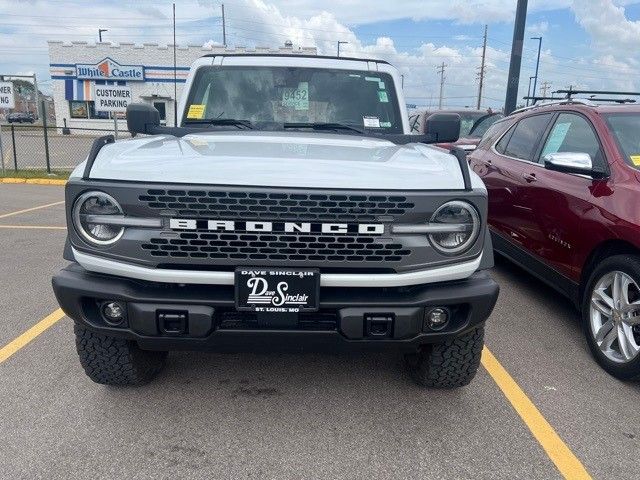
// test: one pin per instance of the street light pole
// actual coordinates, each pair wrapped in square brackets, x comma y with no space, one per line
[529,90]
[535,81]
[100,30]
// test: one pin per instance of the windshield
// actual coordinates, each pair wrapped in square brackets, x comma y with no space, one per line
[626,129]
[483,123]
[290,95]
[468,120]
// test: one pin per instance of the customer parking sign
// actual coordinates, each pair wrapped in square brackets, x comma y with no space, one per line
[111,98]
[6,95]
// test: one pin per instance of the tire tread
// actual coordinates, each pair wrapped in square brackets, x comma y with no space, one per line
[451,364]
[114,361]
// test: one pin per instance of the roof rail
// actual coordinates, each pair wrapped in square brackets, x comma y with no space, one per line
[548,103]
[614,100]
[571,92]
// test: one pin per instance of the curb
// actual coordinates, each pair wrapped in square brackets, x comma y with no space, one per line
[34,181]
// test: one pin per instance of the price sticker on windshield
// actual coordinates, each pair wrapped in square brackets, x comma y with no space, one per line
[296,98]
[195,111]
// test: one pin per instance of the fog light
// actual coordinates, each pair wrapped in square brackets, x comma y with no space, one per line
[113,312]
[437,318]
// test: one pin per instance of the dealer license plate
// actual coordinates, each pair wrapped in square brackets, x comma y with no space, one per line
[277,290]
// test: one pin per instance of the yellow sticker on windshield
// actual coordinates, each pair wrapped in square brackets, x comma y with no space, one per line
[635,159]
[195,111]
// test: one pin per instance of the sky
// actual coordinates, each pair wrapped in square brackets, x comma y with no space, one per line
[590,44]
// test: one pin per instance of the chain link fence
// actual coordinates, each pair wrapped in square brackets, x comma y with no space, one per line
[46,148]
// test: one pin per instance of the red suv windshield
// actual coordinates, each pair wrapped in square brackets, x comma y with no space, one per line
[626,129]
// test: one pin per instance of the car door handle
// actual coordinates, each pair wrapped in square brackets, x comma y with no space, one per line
[486,163]
[529,177]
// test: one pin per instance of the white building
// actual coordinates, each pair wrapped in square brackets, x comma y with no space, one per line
[147,69]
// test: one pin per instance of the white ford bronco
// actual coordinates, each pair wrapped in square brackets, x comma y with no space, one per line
[289,210]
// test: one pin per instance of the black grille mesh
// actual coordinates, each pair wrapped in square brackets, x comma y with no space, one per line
[276,246]
[259,205]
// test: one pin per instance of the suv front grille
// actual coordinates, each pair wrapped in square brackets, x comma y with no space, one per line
[234,205]
[276,247]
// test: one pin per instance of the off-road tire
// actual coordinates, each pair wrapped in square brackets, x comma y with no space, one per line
[450,364]
[629,264]
[116,361]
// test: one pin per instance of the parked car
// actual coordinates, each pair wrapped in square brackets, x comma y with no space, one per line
[564,189]
[307,217]
[473,125]
[21,117]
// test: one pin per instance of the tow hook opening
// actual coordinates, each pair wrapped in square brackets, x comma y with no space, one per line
[378,325]
[172,322]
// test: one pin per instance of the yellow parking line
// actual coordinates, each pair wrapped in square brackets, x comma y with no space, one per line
[31,209]
[558,451]
[35,227]
[34,181]
[15,345]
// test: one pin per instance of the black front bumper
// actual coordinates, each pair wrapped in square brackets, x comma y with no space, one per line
[345,321]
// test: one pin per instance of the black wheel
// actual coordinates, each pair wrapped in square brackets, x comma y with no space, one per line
[450,364]
[115,361]
[611,315]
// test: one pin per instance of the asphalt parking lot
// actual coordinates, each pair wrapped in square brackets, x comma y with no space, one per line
[299,416]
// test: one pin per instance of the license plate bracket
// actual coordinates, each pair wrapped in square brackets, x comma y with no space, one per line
[277,290]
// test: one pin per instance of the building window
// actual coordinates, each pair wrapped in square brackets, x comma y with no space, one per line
[78,109]
[97,115]
[81,109]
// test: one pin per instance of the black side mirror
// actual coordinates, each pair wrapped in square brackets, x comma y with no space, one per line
[444,127]
[142,118]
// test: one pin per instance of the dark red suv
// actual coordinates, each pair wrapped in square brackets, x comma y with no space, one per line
[564,203]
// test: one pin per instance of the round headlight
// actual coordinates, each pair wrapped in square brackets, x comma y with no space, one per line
[464,223]
[86,207]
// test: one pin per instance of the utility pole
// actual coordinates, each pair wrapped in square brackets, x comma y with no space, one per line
[544,88]
[441,72]
[339,43]
[100,30]
[175,72]
[516,58]
[481,73]
[535,81]
[224,28]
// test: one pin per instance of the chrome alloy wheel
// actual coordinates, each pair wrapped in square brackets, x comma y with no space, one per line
[614,314]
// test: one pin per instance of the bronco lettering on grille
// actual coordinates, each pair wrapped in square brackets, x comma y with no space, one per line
[287,227]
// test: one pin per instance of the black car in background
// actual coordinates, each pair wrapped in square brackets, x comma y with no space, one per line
[21,117]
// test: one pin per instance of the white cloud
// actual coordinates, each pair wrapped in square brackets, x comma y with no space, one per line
[538,28]
[607,24]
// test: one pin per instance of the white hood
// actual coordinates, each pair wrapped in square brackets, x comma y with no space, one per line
[280,159]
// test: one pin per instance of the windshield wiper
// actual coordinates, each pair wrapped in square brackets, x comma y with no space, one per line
[221,121]
[324,126]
